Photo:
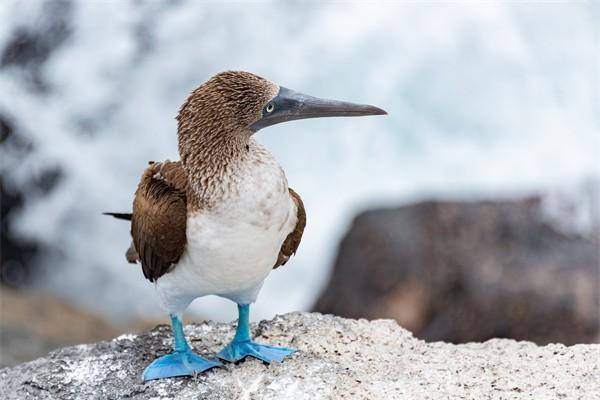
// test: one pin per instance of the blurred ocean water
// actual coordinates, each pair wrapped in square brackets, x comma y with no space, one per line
[484,100]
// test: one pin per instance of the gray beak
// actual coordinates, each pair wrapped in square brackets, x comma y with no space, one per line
[289,105]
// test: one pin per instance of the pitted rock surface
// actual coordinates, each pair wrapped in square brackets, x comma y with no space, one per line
[338,359]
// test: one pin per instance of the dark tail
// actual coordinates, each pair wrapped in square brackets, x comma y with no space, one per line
[125,216]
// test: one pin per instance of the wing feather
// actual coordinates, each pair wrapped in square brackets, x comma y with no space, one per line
[159,218]
[292,241]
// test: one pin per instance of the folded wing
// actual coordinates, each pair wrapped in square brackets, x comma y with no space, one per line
[291,243]
[159,218]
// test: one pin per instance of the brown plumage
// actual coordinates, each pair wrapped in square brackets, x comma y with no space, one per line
[291,243]
[159,218]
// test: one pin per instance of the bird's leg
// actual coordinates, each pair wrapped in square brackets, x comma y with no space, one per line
[242,346]
[180,344]
[242,331]
[182,361]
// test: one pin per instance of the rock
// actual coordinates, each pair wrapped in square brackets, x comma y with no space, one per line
[35,323]
[337,358]
[463,272]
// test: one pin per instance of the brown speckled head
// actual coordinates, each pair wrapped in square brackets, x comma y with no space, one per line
[229,102]
[214,122]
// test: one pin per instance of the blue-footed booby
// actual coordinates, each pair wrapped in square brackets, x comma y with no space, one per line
[218,221]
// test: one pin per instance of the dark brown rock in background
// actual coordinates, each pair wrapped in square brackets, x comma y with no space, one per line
[460,272]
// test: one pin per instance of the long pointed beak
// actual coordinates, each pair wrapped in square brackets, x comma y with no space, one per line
[289,105]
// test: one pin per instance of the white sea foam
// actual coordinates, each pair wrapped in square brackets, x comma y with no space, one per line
[483,100]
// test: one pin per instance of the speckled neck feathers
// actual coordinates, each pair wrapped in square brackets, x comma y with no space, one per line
[214,133]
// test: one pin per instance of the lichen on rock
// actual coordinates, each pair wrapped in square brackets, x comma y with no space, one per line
[338,358]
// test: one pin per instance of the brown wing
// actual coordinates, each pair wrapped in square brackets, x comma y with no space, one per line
[159,218]
[291,243]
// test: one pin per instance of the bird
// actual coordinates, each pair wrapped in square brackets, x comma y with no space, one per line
[220,219]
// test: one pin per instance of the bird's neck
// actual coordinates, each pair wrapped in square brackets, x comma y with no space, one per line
[212,161]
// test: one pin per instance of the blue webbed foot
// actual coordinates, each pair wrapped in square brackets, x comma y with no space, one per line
[236,351]
[241,346]
[178,363]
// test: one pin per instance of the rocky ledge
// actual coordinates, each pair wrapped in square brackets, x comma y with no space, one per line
[338,358]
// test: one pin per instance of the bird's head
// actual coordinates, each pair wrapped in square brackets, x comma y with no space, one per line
[242,103]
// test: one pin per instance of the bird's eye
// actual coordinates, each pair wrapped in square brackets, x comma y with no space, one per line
[270,107]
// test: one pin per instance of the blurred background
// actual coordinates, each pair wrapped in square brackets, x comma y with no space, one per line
[471,211]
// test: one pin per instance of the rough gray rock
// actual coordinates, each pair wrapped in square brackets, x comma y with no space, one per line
[468,271]
[338,358]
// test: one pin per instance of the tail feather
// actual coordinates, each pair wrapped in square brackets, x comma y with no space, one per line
[125,216]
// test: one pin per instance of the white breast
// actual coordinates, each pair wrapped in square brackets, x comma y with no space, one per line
[231,249]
